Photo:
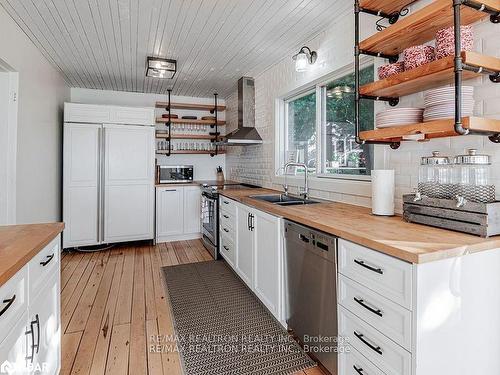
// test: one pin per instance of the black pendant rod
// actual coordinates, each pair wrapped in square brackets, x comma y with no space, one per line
[458,68]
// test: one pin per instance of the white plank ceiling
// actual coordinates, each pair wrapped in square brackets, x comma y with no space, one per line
[103,44]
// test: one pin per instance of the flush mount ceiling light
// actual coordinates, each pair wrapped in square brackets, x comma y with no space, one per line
[161,68]
[304,58]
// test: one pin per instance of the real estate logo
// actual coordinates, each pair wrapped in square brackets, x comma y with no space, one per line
[6,367]
[16,368]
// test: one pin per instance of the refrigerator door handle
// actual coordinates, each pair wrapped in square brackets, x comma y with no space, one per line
[102,174]
[99,156]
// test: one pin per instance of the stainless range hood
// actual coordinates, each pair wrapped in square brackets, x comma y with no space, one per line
[246,134]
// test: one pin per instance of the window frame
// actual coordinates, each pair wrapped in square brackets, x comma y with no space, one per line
[319,86]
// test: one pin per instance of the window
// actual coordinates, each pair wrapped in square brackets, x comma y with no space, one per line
[301,139]
[320,132]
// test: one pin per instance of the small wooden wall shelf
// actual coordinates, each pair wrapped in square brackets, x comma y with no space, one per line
[185,136]
[428,76]
[421,26]
[432,129]
[161,120]
[189,152]
[194,107]
[385,6]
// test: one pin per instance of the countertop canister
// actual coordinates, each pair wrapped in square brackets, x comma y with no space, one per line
[383,192]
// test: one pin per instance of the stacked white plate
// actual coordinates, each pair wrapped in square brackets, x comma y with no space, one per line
[440,103]
[398,117]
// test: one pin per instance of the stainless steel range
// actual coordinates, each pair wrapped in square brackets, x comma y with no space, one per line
[210,213]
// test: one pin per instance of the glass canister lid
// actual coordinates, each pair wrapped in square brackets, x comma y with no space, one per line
[435,159]
[472,158]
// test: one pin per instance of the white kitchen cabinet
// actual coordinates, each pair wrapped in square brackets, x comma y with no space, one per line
[128,183]
[246,244]
[31,343]
[44,312]
[268,260]
[192,209]
[108,183]
[16,347]
[105,114]
[255,247]
[178,213]
[81,184]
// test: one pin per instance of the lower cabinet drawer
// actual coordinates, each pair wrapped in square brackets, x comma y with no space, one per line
[227,205]
[227,249]
[388,317]
[353,363]
[13,301]
[44,265]
[384,353]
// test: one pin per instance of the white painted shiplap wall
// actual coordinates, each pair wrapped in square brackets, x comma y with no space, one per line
[255,164]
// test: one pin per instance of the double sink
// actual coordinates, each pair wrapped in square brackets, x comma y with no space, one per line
[283,200]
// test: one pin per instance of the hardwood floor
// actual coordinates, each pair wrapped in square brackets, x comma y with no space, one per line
[113,301]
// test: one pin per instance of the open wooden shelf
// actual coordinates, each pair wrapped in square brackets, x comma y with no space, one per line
[385,6]
[194,107]
[161,120]
[428,76]
[189,152]
[432,129]
[186,136]
[421,26]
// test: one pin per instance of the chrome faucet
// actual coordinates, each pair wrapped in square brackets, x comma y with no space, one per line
[305,192]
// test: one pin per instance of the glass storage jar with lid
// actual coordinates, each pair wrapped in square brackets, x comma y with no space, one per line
[435,177]
[472,177]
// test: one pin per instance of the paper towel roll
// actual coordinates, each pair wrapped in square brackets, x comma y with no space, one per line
[383,192]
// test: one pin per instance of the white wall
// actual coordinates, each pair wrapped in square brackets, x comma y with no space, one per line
[256,164]
[42,92]
[204,165]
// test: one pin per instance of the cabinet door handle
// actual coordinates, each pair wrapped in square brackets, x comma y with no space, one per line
[225,202]
[225,247]
[225,216]
[359,370]
[225,230]
[360,336]
[363,264]
[49,258]
[37,322]
[362,303]
[248,222]
[252,226]
[169,190]
[9,303]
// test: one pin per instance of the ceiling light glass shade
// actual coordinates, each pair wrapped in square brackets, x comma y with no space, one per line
[301,62]
[161,68]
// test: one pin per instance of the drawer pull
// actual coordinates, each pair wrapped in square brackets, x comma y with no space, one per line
[49,258]
[359,370]
[9,303]
[225,216]
[362,303]
[360,336]
[225,202]
[225,230]
[363,264]
[225,247]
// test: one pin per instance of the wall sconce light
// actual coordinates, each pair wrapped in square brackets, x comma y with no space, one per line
[161,68]
[304,58]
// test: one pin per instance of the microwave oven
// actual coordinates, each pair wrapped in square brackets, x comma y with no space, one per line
[168,174]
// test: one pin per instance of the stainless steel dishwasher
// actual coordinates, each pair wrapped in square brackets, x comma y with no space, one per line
[311,291]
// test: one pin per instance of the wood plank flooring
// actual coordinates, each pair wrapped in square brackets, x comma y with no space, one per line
[113,301]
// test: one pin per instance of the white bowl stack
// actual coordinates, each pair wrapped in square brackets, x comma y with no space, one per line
[398,117]
[440,103]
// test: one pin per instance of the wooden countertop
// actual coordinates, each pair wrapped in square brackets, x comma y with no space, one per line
[413,243]
[20,243]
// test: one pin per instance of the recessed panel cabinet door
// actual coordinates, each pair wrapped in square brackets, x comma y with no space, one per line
[81,184]
[268,261]
[44,313]
[129,183]
[170,211]
[192,209]
[245,247]
[16,347]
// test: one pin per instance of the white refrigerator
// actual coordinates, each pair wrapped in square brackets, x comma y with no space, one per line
[108,183]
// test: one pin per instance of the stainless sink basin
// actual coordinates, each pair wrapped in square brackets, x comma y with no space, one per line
[283,200]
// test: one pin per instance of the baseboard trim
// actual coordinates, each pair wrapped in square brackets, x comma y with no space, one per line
[179,237]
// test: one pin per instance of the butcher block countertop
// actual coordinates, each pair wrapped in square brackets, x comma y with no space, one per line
[20,243]
[413,243]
